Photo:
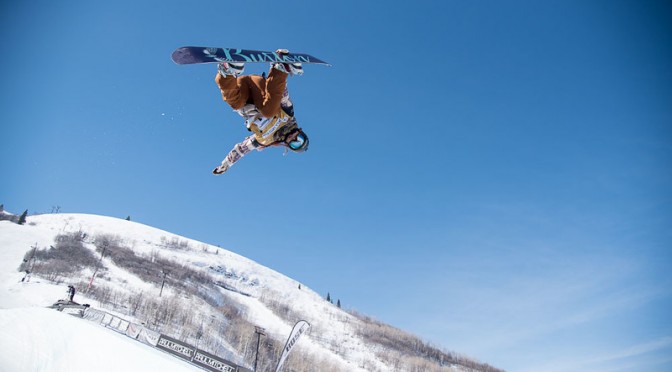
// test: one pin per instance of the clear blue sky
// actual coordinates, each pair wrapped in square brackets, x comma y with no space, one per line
[492,176]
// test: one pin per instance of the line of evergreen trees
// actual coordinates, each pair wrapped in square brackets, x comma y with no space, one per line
[329,299]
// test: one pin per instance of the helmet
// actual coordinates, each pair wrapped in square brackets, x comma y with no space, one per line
[300,143]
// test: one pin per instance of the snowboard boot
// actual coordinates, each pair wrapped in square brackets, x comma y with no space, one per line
[293,69]
[231,68]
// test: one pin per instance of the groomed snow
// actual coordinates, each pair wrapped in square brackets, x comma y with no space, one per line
[40,339]
[34,338]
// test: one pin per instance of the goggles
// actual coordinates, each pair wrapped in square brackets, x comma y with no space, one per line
[298,142]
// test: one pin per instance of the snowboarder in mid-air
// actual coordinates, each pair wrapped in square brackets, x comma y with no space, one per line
[265,104]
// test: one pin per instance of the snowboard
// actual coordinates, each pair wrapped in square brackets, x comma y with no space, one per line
[189,55]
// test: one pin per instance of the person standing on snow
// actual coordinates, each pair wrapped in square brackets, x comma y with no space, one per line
[265,105]
[71,293]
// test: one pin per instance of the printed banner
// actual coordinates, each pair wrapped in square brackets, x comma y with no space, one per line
[299,328]
[119,325]
[107,318]
[133,330]
[176,347]
[94,315]
[213,363]
[148,336]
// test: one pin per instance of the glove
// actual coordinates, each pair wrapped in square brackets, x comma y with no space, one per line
[221,169]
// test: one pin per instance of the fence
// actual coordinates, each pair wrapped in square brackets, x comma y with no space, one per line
[162,342]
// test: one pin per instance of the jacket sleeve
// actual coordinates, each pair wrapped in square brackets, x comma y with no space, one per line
[238,151]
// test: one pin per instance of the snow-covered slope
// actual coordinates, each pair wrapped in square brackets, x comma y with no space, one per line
[38,339]
[246,281]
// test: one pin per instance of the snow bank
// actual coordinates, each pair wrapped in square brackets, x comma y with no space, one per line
[40,339]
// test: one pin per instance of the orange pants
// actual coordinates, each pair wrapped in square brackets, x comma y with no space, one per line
[265,94]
